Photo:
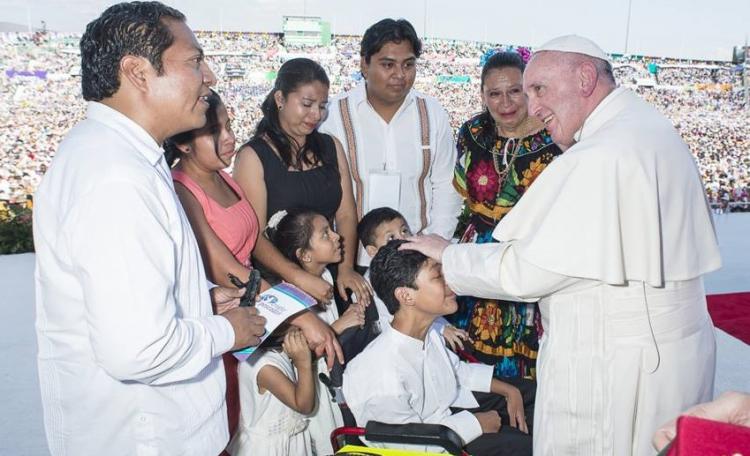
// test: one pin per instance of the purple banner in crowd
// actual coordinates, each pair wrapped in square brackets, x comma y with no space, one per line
[41,74]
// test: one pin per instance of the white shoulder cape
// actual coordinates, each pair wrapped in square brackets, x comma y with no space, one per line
[624,203]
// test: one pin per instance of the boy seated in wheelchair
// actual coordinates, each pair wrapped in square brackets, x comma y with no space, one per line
[376,229]
[407,374]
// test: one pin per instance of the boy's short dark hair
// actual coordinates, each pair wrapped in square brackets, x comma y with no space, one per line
[135,28]
[392,268]
[372,220]
[388,31]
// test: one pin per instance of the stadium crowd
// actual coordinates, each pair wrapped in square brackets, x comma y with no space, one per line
[41,92]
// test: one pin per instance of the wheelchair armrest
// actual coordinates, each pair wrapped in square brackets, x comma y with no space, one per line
[415,433]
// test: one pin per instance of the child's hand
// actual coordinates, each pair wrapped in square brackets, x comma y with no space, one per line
[515,409]
[454,337]
[354,316]
[295,345]
[489,421]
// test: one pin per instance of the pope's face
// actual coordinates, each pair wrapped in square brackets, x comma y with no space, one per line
[550,84]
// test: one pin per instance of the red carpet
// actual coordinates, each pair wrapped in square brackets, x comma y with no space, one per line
[731,313]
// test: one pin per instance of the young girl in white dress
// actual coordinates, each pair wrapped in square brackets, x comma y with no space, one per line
[307,238]
[277,391]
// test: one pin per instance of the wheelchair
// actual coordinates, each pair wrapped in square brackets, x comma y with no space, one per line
[347,440]
[413,433]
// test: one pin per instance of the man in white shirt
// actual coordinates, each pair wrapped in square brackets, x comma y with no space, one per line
[399,142]
[407,375]
[129,348]
[613,239]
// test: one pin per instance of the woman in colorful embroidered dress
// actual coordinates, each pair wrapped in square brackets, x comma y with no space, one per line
[501,151]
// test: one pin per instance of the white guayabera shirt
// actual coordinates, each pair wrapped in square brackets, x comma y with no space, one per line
[129,351]
[384,150]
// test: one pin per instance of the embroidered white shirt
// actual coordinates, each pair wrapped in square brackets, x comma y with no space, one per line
[396,146]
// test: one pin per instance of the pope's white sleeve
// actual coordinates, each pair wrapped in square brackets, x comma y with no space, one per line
[497,271]
[125,259]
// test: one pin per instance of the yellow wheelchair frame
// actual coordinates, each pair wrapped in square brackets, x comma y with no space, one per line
[413,433]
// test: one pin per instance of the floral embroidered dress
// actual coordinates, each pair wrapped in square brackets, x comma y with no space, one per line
[492,173]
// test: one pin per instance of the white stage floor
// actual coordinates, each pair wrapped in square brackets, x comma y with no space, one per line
[21,427]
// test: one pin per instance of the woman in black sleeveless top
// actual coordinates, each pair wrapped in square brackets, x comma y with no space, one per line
[289,164]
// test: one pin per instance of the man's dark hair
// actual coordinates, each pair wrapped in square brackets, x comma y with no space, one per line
[135,28]
[372,220]
[388,31]
[392,268]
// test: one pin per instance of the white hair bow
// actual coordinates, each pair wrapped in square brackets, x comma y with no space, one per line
[275,219]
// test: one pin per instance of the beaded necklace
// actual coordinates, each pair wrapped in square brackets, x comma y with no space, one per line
[508,164]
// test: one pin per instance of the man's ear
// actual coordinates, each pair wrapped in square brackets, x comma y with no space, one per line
[371,250]
[404,296]
[587,77]
[135,70]
[363,67]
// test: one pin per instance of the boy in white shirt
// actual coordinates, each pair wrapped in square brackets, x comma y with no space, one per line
[376,229]
[407,375]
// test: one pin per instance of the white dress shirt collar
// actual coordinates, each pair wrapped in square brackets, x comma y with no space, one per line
[359,96]
[128,128]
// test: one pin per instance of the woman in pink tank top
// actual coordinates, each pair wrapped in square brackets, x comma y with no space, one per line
[224,222]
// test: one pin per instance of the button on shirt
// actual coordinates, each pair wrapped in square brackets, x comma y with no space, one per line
[396,146]
[398,379]
[128,346]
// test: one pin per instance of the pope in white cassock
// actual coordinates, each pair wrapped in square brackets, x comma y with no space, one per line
[613,239]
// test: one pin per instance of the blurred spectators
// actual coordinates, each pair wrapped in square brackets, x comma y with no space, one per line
[42,100]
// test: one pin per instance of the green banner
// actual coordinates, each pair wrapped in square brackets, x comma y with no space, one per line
[461,79]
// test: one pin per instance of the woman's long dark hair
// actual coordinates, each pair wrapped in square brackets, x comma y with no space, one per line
[497,62]
[171,149]
[292,74]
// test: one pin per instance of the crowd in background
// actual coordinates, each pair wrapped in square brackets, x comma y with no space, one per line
[42,100]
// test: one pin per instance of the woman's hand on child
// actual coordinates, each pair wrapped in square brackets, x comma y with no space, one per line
[320,337]
[351,279]
[295,345]
[454,337]
[315,286]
